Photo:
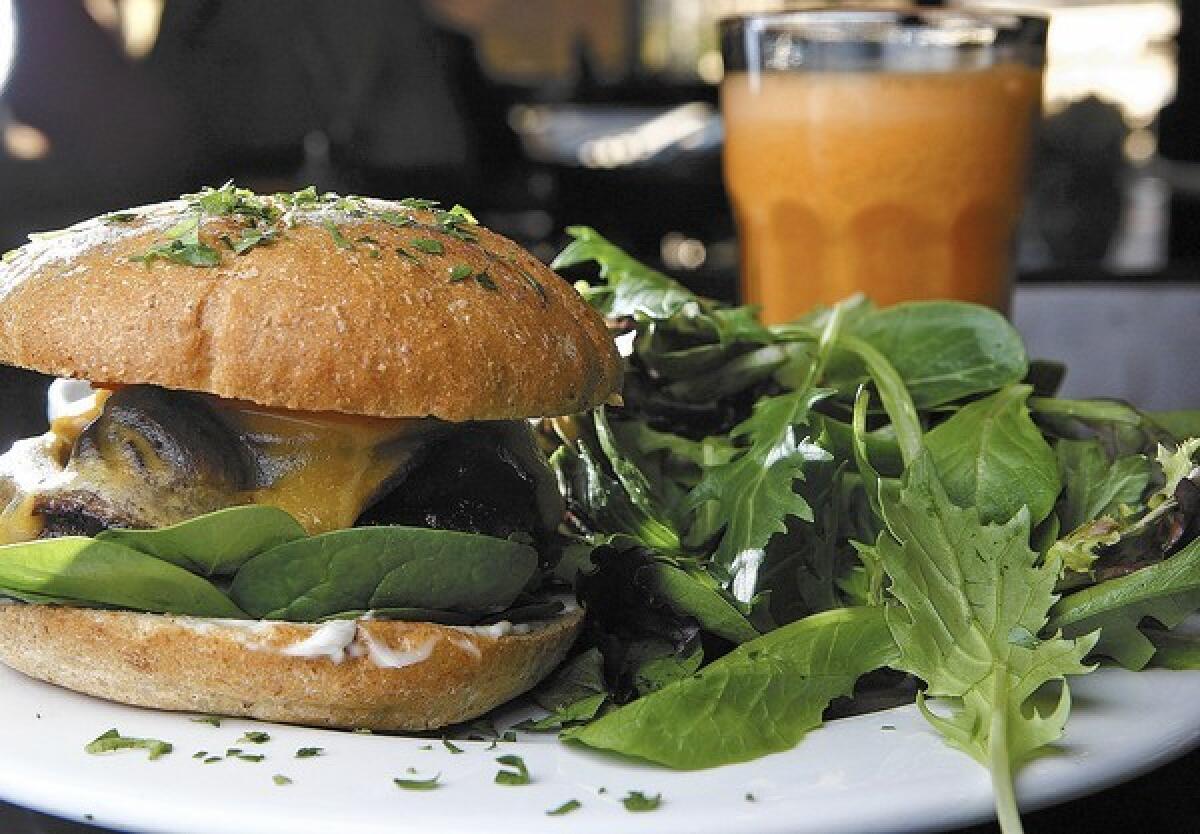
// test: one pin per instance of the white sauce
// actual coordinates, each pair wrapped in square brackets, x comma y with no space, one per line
[386,657]
[331,640]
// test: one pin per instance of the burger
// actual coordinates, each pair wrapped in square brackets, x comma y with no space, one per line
[298,481]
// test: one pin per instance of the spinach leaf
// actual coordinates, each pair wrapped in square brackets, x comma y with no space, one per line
[383,567]
[972,600]
[1092,486]
[944,350]
[216,544]
[1167,592]
[991,456]
[760,698]
[99,572]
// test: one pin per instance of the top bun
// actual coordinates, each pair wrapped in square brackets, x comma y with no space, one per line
[352,305]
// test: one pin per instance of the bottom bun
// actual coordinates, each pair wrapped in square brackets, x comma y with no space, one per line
[373,674]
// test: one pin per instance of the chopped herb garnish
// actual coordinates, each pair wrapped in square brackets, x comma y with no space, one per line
[249,239]
[566,808]
[395,218]
[309,752]
[536,285]
[888,727]
[250,757]
[212,720]
[451,746]
[460,272]
[518,776]
[233,751]
[362,731]
[118,217]
[280,779]
[602,789]
[638,801]
[509,735]
[750,797]
[112,740]
[428,245]
[255,737]
[199,754]
[212,759]
[484,280]
[336,233]
[418,203]
[418,784]
[425,747]
[402,252]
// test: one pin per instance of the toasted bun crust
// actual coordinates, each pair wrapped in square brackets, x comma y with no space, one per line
[238,668]
[328,317]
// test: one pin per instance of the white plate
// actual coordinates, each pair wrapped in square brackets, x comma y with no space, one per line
[852,775]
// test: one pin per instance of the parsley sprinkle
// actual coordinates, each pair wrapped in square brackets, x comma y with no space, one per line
[120,217]
[200,754]
[638,801]
[428,245]
[888,727]
[255,737]
[280,779]
[425,747]
[395,218]
[402,252]
[207,719]
[212,759]
[338,238]
[519,776]
[418,784]
[484,280]
[451,746]
[566,808]
[459,272]
[418,203]
[251,757]
[113,740]
[536,285]
[309,752]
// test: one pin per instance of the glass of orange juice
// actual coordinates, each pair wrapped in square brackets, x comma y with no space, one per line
[878,151]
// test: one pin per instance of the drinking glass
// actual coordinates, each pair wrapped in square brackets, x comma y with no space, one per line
[880,151]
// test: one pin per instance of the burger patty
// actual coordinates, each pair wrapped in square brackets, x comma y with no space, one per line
[154,457]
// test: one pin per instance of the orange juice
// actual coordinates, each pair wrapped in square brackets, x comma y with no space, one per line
[899,185]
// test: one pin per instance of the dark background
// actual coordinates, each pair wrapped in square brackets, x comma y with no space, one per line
[522,110]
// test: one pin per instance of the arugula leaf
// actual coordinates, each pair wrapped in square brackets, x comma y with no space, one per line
[992,457]
[971,600]
[696,594]
[633,289]
[1180,652]
[382,567]
[1168,592]
[753,492]
[112,740]
[1094,487]
[1078,550]
[92,571]
[758,699]
[216,544]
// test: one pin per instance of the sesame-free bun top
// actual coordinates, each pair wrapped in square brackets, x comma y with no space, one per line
[352,305]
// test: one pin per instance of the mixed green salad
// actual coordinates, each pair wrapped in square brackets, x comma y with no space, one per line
[863,506]
[780,517]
